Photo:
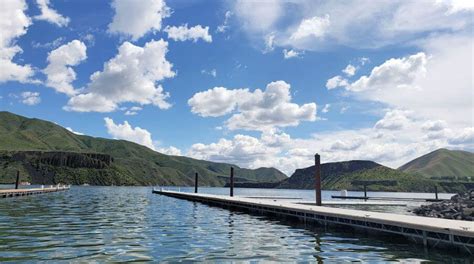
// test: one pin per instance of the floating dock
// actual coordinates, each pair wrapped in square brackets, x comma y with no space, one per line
[431,232]
[5,193]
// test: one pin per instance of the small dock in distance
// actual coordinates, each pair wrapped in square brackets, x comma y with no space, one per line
[6,193]
[431,232]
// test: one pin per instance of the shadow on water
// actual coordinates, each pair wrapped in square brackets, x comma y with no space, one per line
[118,224]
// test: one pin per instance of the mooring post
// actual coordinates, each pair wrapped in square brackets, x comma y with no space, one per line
[17,179]
[231,181]
[196,183]
[365,191]
[317,164]
[436,192]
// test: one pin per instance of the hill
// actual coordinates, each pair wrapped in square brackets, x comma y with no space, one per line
[48,153]
[349,174]
[443,163]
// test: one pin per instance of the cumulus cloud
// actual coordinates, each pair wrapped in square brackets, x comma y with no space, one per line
[257,110]
[288,54]
[14,23]
[336,81]
[30,98]
[393,120]
[59,73]
[136,18]
[312,27]
[436,125]
[183,33]
[350,70]
[399,73]
[170,151]
[50,15]
[466,136]
[258,16]
[126,132]
[130,76]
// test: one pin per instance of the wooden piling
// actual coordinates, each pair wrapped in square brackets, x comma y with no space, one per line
[317,163]
[196,183]
[231,181]
[365,191]
[436,192]
[17,179]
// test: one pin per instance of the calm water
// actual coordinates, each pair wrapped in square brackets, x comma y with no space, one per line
[131,224]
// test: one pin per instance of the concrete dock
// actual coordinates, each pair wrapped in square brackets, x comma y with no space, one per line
[5,193]
[431,232]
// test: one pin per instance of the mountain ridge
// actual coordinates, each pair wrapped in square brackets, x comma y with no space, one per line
[133,164]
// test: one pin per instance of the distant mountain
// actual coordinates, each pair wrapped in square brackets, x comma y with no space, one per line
[442,163]
[349,175]
[47,153]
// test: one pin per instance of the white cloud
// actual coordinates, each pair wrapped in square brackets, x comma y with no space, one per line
[14,23]
[50,15]
[49,45]
[312,27]
[269,42]
[358,24]
[223,28]
[133,110]
[170,151]
[434,125]
[257,110]
[126,132]
[183,33]
[212,72]
[288,54]
[465,137]
[397,73]
[75,132]
[326,108]
[59,73]
[30,98]
[336,81]
[393,120]
[258,16]
[130,76]
[136,18]
[350,70]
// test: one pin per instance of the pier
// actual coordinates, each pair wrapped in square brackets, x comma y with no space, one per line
[5,193]
[431,232]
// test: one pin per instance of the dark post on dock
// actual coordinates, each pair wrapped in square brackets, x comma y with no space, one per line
[231,181]
[196,183]
[17,179]
[317,164]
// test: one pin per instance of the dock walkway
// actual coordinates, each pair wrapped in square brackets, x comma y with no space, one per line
[5,193]
[431,232]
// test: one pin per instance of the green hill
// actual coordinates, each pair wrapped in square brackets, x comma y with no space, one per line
[349,175]
[47,153]
[443,163]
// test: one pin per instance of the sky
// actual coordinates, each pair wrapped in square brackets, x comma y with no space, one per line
[254,83]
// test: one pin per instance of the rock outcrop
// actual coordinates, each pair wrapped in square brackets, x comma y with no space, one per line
[459,207]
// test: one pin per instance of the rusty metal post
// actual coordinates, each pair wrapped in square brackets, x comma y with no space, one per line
[317,164]
[231,181]
[17,179]
[196,183]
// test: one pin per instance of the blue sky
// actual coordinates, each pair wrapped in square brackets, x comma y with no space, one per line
[257,83]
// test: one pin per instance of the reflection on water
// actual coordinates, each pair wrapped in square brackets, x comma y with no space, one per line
[131,224]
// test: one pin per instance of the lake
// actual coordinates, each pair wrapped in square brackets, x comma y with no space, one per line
[88,224]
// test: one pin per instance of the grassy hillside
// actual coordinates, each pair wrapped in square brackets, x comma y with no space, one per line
[348,174]
[443,163]
[132,164]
